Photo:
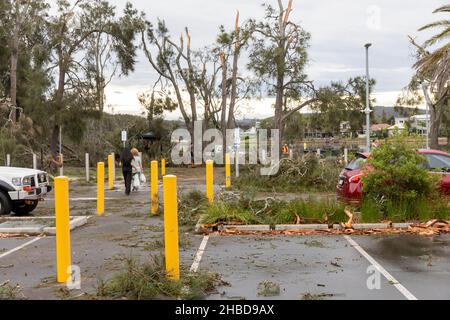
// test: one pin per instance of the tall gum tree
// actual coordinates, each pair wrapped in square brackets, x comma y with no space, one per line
[21,19]
[70,30]
[278,57]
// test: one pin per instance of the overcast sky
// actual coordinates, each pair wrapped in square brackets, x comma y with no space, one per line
[339,29]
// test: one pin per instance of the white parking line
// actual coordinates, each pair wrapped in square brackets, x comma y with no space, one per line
[20,247]
[199,255]
[80,199]
[383,271]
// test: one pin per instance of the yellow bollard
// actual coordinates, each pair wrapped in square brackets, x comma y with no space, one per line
[100,188]
[154,187]
[163,167]
[227,171]
[63,254]
[171,227]
[210,180]
[110,172]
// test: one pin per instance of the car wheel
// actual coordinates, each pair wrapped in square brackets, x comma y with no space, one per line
[24,209]
[5,204]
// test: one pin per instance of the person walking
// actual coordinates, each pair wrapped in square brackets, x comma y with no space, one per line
[136,169]
[127,169]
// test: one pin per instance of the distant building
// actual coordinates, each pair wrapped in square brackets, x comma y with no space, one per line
[345,127]
[419,123]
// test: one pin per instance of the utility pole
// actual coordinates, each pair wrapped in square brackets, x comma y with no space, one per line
[367,110]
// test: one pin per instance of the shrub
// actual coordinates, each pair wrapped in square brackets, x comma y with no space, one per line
[398,187]
[398,174]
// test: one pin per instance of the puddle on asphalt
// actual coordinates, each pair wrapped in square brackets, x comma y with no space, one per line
[411,246]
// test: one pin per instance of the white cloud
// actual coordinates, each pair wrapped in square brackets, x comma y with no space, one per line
[339,30]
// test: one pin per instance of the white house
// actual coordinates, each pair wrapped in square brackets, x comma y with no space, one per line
[419,123]
[400,124]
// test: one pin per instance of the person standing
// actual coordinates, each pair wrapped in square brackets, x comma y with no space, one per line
[136,169]
[127,169]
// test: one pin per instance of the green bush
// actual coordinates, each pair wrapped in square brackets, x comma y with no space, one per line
[398,187]
[398,174]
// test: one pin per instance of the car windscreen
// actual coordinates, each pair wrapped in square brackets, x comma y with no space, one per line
[356,163]
[437,161]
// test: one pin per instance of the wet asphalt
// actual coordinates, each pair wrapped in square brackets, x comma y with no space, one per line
[303,267]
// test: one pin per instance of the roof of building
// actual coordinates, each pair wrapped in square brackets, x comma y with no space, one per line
[380,126]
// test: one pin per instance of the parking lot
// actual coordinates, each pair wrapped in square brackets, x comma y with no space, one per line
[384,266]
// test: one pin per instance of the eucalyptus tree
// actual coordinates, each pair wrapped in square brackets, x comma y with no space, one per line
[20,20]
[232,44]
[278,58]
[165,58]
[112,53]
[71,31]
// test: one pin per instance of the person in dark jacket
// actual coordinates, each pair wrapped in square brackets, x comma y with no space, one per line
[127,169]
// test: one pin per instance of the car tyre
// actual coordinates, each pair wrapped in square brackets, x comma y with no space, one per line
[5,204]
[24,209]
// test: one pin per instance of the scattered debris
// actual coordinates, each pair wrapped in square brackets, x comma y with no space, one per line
[335,264]
[12,235]
[320,296]
[349,223]
[142,281]
[8,292]
[434,228]
[268,289]
[314,243]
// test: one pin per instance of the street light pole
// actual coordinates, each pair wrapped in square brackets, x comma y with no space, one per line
[367,110]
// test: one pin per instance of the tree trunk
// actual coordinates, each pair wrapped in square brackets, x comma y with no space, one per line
[14,59]
[237,49]
[59,107]
[278,119]
[435,124]
[224,104]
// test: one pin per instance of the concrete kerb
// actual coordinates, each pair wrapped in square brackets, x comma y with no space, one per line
[21,225]
[202,228]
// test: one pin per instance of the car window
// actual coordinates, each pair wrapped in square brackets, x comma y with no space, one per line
[437,161]
[356,163]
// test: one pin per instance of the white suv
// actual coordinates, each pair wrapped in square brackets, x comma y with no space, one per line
[21,189]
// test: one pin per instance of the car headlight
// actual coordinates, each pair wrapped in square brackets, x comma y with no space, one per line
[26,181]
[17,182]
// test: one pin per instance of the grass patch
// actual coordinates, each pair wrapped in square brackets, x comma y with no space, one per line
[244,210]
[8,292]
[148,280]
[268,289]
[420,209]
[370,212]
[190,206]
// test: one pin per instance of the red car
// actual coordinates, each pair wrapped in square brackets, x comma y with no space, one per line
[349,186]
